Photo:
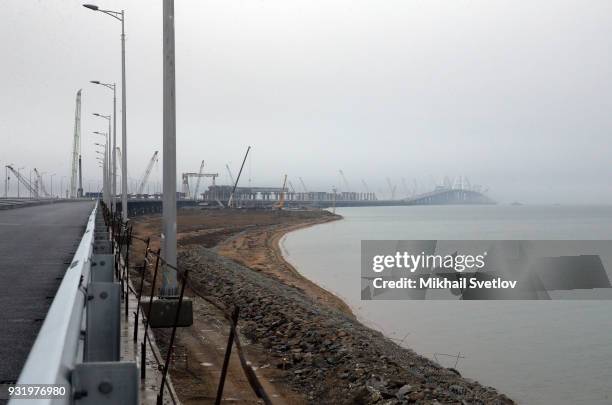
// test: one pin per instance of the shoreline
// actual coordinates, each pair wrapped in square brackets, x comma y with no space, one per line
[304,342]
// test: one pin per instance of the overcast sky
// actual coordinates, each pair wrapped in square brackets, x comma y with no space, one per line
[514,95]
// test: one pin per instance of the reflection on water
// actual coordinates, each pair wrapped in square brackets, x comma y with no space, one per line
[538,352]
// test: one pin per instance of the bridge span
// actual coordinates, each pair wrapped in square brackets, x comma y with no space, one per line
[36,246]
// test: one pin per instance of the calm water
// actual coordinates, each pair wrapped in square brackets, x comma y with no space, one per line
[540,352]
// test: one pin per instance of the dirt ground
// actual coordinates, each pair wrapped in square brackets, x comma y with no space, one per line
[251,239]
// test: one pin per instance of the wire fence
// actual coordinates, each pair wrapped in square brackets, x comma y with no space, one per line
[123,240]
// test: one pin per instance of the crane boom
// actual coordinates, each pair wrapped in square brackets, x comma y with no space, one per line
[391,188]
[303,185]
[346,184]
[281,200]
[76,148]
[229,172]
[365,186]
[23,181]
[40,186]
[231,198]
[145,178]
[197,188]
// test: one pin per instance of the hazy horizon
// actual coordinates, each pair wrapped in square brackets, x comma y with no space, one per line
[514,96]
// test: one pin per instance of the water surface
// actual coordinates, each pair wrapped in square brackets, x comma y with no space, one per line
[537,352]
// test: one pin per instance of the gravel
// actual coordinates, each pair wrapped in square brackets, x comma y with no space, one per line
[324,354]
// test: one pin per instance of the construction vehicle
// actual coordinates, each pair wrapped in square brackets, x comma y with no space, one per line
[281,200]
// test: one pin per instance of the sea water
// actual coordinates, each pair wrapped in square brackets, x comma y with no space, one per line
[537,352]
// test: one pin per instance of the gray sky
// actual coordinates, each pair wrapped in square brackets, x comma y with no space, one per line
[514,95]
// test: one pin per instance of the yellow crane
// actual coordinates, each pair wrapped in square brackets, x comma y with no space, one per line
[281,200]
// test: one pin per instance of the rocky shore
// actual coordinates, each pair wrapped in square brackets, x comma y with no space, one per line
[305,343]
[321,352]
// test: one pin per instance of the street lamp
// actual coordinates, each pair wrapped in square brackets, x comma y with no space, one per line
[113,146]
[108,162]
[51,175]
[106,170]
[121,17]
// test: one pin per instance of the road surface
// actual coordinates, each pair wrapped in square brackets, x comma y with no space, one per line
[36,245]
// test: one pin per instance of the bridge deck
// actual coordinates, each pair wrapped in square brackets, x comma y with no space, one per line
[36,243]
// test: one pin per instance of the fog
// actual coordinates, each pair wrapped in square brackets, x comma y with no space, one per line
[515,96]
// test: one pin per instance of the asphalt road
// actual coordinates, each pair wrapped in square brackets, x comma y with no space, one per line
[36,246]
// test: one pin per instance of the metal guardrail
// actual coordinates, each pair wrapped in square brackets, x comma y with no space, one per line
[78,344]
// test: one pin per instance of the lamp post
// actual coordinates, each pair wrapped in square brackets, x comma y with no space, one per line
[169,277]
[113,146]
[108,162]
[120,16]
[51,175]
[106,177]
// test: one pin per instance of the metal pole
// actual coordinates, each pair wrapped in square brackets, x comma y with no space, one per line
[124,211]
[114,181]
[109,145]
[169,282]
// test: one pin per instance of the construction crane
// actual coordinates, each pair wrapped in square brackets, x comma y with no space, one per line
[147,173]
[391,188]
[76,149]
[291,187]
[187,176]
[303,185]
[281,200]
[40,186]
[24,181]
[346,185]
[365,186]
[230,202]
[197,188]
[229,172]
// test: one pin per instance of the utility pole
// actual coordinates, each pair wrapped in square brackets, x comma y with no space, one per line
[169,280]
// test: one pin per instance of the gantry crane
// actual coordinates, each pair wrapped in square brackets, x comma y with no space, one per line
[24,181]
[145,178]
[186,176]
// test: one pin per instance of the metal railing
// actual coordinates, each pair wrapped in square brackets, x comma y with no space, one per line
[78,345]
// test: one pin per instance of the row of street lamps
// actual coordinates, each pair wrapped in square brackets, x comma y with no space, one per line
[169,277]
[111,161]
